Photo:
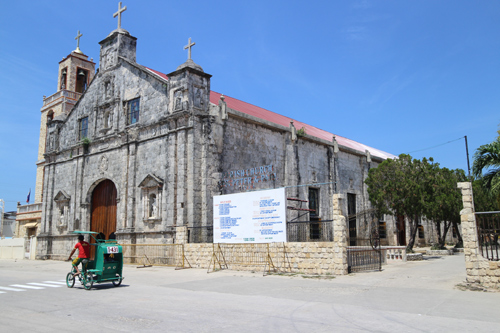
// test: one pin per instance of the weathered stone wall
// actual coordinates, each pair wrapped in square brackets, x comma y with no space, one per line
[252,143]
[479,270]
[307,258]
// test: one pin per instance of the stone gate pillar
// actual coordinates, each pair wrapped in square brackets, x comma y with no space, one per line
[479,270]
[339,236]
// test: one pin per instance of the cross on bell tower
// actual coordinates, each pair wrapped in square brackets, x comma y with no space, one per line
[119,14]
[78,42]
[189,46]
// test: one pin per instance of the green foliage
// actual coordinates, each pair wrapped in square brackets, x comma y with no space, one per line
[85,141]
[301,132]
[484,199]
[486,166]
[416,188]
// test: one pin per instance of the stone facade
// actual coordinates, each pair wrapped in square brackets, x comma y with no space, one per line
[479,270]
[169,144]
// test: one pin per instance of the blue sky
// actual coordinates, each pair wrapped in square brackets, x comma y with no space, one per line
[399,76]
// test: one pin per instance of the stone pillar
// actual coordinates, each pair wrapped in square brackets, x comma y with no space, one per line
[475,264]
[181,235]
[339,237]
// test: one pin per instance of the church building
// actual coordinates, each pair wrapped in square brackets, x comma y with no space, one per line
[134,154]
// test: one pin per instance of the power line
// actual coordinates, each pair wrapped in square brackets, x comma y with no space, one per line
[442,144]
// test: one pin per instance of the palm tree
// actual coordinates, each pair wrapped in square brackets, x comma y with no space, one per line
[487,159]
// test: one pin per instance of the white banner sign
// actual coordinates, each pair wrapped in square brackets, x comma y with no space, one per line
[251,217]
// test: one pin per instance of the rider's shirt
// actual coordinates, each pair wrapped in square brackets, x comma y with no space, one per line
[83,249]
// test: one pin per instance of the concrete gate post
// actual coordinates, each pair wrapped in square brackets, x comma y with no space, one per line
[339,236]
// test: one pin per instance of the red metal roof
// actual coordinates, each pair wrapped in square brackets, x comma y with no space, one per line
[163,76]
[276,118]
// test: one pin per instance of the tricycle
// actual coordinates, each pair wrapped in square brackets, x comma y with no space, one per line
[106,266]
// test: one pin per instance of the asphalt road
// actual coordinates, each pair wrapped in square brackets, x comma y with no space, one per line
[411,297]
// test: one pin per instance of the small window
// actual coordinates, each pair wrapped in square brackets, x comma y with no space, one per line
[382,229]
[314,203]
[84,128]
[421,231]
[133,111]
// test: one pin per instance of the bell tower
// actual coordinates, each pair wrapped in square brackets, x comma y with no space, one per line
[75,73]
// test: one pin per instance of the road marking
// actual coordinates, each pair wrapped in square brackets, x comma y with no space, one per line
[2,292]
[11,289]
[25,286]
[56,282]
[43,285]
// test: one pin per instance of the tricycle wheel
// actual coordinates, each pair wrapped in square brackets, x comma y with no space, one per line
[116,283]
[88,281]
[70,280]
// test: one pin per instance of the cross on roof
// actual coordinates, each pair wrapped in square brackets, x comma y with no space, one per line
[119,14]
[78,40]
[189,46]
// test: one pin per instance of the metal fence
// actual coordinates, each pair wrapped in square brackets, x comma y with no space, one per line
[363,258]
[310,231]
[155,255]
[272,257]
[301,231]
[488,229]
[367,255]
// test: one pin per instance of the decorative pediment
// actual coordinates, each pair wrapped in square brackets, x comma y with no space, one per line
[62,196]
[151,181]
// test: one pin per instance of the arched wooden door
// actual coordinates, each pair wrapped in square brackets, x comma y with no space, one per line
[103,219]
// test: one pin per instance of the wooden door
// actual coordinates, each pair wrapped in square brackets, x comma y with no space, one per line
[103,219]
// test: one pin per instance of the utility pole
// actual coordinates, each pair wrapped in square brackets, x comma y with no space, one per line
[468,164]
[2,206]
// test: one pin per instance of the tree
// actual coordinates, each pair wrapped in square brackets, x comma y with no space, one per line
[444,202]
[415,189]
[484,200]
[486,166]
[397,186]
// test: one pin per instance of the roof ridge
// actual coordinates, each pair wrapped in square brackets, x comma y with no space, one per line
[279,119]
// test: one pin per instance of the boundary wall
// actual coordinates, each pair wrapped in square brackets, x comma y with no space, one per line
[303,257]
[306,257]
[12,248]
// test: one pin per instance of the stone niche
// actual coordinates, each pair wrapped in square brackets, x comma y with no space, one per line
[151,195]
[62,200]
